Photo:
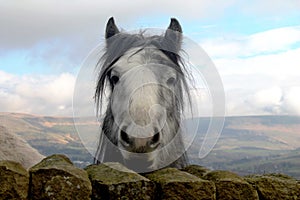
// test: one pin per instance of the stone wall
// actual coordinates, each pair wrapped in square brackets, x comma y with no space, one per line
[56,177]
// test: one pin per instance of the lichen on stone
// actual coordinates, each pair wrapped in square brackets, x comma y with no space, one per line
[275,186]
[56,177]
[175,184]
[14,181]
[115,181]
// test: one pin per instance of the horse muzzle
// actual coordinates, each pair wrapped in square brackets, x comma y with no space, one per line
[139,145]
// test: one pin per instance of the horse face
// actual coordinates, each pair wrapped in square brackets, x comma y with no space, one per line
[146,82]
[143,102]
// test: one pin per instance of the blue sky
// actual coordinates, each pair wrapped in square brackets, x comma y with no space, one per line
[43,44]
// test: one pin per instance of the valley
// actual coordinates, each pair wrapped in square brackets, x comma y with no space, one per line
[248,144]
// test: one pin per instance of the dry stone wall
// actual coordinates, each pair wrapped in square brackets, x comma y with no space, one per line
[55,177]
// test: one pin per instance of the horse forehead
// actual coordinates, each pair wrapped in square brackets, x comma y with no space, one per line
[137,56]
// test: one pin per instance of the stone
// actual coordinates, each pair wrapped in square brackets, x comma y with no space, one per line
[14,180]
[231,186]
[172,183]
[275,186]
[114,181]
[196,170]
[55,177]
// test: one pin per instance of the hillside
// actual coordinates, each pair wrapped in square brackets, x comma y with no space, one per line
[49,135]
[251,144]
[15,148]
[255,144]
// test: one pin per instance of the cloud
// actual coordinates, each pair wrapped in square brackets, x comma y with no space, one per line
[274,40]
[291,101]
[25,24]
[45,95]
[281,68]
[258,61]
[47,20]
[273,100]
[270,7]
[267,42]
[260,72]
[60,35]
[267,100]
[270,96]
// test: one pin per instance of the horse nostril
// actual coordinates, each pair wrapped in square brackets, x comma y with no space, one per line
[155,139]
[125,138]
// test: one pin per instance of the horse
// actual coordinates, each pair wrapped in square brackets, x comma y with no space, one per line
[145,83]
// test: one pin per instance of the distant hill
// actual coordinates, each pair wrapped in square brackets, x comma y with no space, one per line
[248,144]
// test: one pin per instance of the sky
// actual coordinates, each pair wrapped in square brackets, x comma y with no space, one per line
[255,46]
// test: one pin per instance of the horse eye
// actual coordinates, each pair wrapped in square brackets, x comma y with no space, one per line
[114,79]
[171,81]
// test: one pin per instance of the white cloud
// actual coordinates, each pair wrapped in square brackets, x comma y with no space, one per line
[291,100]
[270,7]
[270,96]
[260,72]
[280,67]
[274,100]
[29,22]
[45,20]
[267,42]
[46,95]
[268,101]
[273,40]
[54,89]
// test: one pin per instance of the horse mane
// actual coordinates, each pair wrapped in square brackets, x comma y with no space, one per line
[118,45]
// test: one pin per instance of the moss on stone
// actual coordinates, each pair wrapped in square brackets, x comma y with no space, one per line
[117,173]
[222,175]
[196,170]
[175,184]
[14,181]
[53,160]
[172,175]
[275,186]
[231,186]
[115,181]
[55,177]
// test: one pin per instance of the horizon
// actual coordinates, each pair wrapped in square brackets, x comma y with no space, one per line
[254,46]
[226,116]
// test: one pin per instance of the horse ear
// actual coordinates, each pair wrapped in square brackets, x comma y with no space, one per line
[174,33]
[111,28]
[175,26]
